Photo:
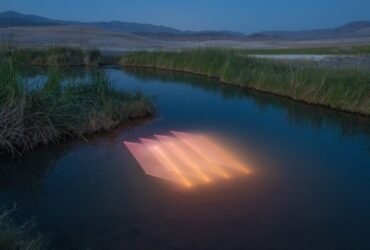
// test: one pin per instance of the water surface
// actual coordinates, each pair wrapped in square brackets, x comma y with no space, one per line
[310,186]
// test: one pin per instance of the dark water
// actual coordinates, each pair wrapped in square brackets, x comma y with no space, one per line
[310,187]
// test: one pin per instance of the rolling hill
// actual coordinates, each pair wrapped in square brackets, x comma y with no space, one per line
[353,29]
[350,30]
[13,19]
[16,19]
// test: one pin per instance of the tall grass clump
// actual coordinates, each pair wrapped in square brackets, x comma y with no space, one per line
[339,88]
[60,56]
[342,50]
[18,237]
[60,107]
[11,88]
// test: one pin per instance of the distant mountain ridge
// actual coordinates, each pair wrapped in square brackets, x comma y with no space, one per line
[13,19]
[353,29]
[130,27]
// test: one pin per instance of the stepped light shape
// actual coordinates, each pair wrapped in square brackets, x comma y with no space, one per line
[187,159]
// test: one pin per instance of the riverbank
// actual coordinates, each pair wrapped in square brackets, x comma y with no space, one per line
[346,89]
[57,107]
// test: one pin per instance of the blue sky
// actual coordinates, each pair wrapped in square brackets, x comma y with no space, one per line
[239,15]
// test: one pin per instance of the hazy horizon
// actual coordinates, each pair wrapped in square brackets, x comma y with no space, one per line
[237,15]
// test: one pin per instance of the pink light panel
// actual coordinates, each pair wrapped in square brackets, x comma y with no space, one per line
[186,159]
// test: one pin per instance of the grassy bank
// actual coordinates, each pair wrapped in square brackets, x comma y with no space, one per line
[20,237]
[59,107]
[342,89]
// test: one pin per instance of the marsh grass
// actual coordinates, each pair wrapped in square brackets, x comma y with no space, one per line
[338,88]
[343,50]
[62,57]
[60,107]
[18,237]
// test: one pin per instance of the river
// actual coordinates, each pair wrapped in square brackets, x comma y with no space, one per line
[309,186]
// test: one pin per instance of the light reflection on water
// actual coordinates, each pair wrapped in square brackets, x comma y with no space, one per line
[187,159]
[309,186]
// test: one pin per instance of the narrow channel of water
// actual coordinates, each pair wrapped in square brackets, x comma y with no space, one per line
[309,187]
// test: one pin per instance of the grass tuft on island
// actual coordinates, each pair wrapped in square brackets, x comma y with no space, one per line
[58,107]
[62,57]
[13,236]
[346,89]
[56,56]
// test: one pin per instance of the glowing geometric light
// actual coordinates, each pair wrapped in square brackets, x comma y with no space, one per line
[210,149]
[149,163]
[187,159]
[185,156]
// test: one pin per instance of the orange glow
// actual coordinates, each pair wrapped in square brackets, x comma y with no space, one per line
[226,155]
[158,151]
[149,163]
[186,182]
[211,150]
[186,159]
[175,148]
[202,150]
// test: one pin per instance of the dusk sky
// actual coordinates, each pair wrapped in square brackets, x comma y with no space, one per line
[239,15]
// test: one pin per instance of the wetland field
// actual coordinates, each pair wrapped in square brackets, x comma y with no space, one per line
[70,125]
